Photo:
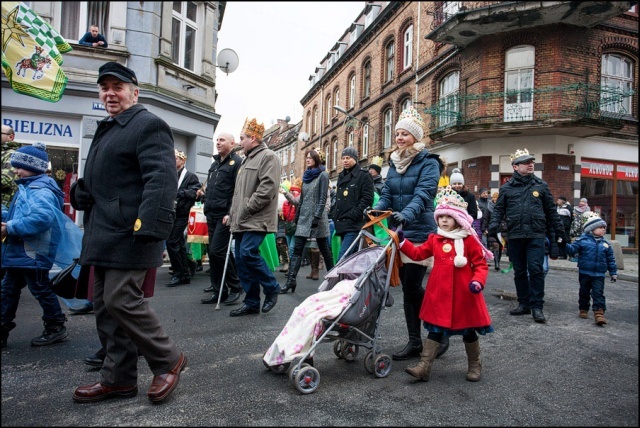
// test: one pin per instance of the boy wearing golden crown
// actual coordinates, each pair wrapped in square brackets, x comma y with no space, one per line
[525,201]
[254,214]
[375,170]
[453,303]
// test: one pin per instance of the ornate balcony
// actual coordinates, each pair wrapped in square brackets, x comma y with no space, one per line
[461,26]
[578,110]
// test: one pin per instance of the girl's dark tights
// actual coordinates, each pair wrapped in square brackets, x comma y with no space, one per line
[470,337]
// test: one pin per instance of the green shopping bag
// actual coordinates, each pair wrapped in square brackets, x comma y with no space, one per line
[336,242]
[269,251]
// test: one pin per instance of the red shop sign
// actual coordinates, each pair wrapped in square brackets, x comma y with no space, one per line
[627,171]
[596,169]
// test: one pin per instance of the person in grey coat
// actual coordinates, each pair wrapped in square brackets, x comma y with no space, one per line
[127,194]
[312,217]
[253,214]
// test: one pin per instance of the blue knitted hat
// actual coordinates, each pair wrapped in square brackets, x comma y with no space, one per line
[32,158]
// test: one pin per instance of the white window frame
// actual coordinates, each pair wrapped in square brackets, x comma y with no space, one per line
[405,104]
[352,91]
[315,120]
[350,138]
[336,101]
[389,52]
[328,112]
[365,140]
[617,76]
[81,22]
[450,8]
[519,83]
[408,47]
[388,127]
[367,79]
[334,160]
[448,102]
[196,25]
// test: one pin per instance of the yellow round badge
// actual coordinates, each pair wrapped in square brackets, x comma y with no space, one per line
[535,193]
[232,162]
[446,247]
[137,225]
[345,193]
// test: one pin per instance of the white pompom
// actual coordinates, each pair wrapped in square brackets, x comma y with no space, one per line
[460,261]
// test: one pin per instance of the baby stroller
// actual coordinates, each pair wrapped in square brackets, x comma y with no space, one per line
[357,324]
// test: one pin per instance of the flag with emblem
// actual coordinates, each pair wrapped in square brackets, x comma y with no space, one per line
[32,53]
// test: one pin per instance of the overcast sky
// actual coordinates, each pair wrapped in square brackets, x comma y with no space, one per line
[278,45]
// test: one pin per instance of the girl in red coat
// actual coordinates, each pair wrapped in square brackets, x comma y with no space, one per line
[453,302]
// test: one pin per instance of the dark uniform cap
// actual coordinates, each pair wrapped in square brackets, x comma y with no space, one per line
[118,70]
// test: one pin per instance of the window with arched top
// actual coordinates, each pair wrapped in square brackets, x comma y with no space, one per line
[352,91]
[518,83]
[388,127]
[616,84]
[448,107]
[407,48]
[328,108]
[389,52]
[365,139]
[336,99]
[367,80]
[334,158]
[405,104]
[315,120]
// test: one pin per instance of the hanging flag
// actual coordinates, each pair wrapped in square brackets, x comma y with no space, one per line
[31,53]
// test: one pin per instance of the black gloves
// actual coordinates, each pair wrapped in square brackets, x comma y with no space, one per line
[314,222]
[365,213]
[145,239]
[81,196]
[400,236]
[397,218]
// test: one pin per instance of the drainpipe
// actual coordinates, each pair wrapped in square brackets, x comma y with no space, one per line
[418,50]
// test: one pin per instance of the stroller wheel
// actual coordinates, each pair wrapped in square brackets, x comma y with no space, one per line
[307,380]
[350,352]
[382,365]
[337,348]
[293,372]
[368,362]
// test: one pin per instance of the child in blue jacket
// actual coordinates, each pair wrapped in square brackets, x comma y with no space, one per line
[595,257]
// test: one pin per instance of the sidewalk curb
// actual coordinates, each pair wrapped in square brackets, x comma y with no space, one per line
[621,276]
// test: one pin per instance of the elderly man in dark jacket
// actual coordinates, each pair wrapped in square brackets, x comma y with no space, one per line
[353,195]
[127,195]
[188,186]
[530,210]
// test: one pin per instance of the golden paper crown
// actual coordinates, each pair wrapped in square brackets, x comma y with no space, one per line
[412,114]
[448,196]
[181,155]
[590,215]
[524,153]
[251,128]
[377,160]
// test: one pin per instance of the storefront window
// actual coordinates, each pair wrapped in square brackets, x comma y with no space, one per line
[64,169]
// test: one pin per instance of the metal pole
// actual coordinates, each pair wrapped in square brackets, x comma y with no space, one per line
[224,272]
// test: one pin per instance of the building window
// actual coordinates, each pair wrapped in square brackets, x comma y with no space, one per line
[336,99]
[408,47]
[450,8]
[328,110]
[76,17]
[184,34]
[350,139]
[518,81]
[617,84]
[315,120]
[326,154]
[405,104]
[307,126]
[334,159]
[352,91]
[388,128]
[389,52]
[367,80]
[365,139]
[448,106]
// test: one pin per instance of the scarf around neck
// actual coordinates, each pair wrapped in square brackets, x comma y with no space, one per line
[402,158]
[458,236]
[312,173]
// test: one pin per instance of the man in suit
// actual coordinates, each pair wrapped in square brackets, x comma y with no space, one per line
[188,186]
[127,195]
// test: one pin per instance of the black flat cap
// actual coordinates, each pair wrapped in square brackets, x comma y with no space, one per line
[117,70]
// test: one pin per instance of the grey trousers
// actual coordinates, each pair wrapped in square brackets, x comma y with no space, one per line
[126,323]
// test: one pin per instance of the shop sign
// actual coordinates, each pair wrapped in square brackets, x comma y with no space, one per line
[42,128]
[627,171]
[564,168]
[597,169]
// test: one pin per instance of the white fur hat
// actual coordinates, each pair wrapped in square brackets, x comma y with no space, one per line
[456,176]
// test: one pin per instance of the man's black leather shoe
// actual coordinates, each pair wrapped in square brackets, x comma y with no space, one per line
[175,281]
[95,360]
[208,289]
[408,352]
[233,298]
[520,310]
[244,310]
[214,299]
[538,316]
[270,301]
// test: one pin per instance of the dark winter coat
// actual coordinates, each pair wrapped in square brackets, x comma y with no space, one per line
[595,255]
[354,193]
[187,193]
[131,174]
[313,203]
[378,184]
[413,194]
[221,183]
[529,208]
